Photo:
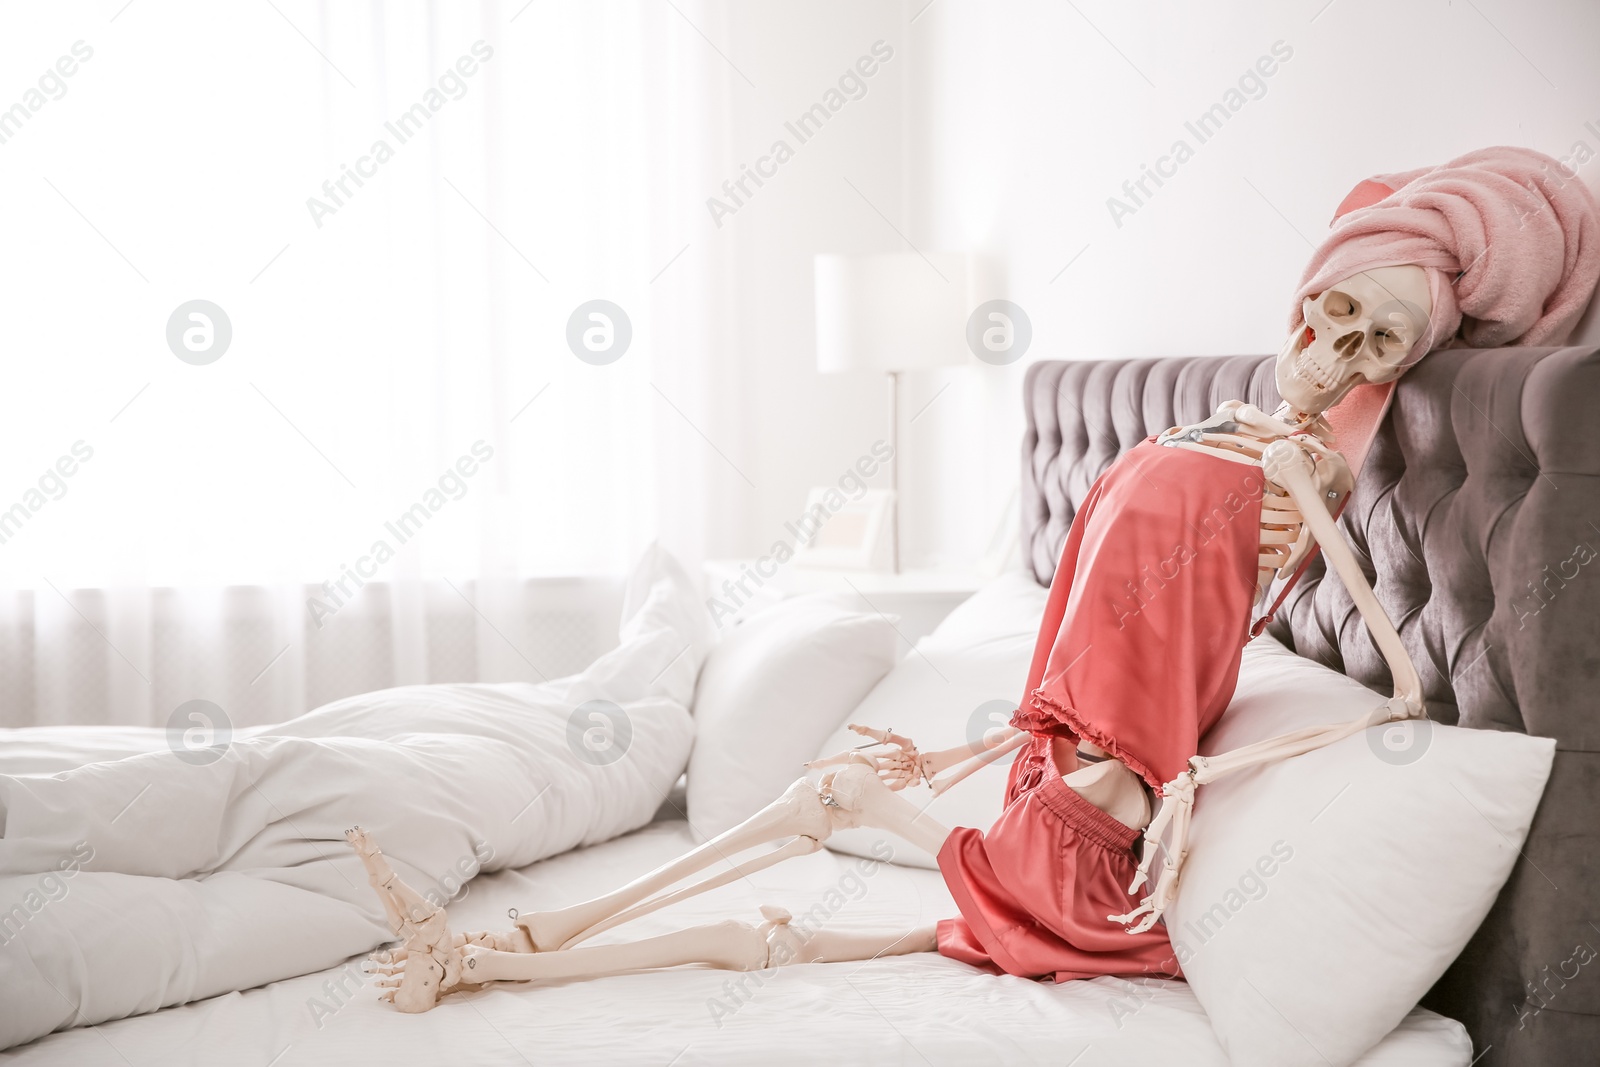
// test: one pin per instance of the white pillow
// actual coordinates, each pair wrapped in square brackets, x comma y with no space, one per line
[1323,895]
[964,678]
[776,685]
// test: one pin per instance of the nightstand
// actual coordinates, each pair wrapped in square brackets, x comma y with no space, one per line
[921,599]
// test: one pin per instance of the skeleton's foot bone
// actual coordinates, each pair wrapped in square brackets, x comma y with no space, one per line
[416,985]
[514,940]
[430,956]
[404,905]
[379,874]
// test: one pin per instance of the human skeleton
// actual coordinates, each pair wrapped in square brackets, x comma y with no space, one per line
[1358,331]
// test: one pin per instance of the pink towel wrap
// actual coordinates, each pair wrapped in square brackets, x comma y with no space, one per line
[1510,240]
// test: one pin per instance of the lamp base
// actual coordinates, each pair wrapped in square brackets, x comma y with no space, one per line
[894,472]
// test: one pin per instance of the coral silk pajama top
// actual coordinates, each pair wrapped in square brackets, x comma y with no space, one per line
[1138,653]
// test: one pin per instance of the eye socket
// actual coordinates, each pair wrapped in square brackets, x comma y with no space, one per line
[1339,306]
[1388,340]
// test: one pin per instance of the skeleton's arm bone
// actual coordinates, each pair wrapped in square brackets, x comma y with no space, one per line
[1287,464]
[1015,740]
[934,762]
[980,752]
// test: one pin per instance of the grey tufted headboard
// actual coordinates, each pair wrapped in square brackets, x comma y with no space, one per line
[1477,517]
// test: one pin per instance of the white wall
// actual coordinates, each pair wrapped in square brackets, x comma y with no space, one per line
[1021,118]
[783,425]
[1025,119]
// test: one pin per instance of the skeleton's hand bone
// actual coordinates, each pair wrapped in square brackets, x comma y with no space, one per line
[1333,480]
[1287,464]
[899,766]
[884,737]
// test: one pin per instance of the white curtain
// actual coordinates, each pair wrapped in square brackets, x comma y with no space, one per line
[398,470]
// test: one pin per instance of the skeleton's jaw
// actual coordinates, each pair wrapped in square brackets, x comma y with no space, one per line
[1308,385]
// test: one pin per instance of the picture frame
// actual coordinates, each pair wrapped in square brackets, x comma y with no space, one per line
[840,532]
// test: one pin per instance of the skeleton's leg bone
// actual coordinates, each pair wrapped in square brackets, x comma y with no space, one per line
[729,945]
[860,798]
[851,796]
[514,940]
[798,812]
[800,846]
[791,945]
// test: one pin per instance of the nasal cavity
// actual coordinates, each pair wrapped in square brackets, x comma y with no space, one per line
[1348,345]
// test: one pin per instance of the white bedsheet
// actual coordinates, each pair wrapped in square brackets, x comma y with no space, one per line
[919,1009]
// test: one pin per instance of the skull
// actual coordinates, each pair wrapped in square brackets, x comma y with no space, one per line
[1359,330]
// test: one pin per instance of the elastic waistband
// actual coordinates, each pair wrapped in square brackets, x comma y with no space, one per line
[1089,821]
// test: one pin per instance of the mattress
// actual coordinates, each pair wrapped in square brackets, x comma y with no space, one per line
[916,1009]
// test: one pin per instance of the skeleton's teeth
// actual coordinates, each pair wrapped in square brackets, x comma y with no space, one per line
[1308,370]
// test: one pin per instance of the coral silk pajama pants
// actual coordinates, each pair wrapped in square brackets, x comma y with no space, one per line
[1138,653]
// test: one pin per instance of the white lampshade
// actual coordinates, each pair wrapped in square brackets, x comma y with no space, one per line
[895,311]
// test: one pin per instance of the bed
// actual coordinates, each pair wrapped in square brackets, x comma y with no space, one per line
[912,1009]
[1452,536]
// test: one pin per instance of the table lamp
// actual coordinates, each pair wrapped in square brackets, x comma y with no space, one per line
[891,312]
